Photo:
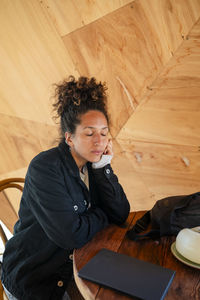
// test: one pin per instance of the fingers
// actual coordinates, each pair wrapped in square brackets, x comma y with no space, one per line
[109,148]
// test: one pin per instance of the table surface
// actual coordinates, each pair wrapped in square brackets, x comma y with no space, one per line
[186,283]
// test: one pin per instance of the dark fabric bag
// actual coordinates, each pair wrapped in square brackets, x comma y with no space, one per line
[168,216]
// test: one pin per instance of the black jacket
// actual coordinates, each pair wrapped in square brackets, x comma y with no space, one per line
[54,219]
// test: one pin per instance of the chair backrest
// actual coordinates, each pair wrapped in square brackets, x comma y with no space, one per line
[3,295]
[16,183]
[11,183]
[6,206]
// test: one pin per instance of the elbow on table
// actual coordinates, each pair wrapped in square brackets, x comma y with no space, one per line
[120,217]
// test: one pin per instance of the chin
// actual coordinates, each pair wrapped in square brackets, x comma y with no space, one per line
[94,160]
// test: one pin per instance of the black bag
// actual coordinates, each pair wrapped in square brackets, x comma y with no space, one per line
[168,216]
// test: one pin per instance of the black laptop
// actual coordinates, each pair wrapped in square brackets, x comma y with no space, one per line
[129,275]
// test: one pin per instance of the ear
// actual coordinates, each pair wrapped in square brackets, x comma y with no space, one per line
[68,138]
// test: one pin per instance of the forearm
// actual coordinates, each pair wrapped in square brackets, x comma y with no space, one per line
[112,198]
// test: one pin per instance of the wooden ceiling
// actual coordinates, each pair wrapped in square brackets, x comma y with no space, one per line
[148,52]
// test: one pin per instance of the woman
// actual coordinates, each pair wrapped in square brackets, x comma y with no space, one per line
[70,194]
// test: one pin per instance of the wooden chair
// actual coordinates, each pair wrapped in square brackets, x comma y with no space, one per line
[11,183]
[6,184]
[16,183]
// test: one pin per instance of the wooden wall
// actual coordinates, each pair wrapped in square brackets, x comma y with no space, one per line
[148,52]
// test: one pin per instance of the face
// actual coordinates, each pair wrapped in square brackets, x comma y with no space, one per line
[90,138]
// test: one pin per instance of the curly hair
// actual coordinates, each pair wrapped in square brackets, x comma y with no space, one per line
[76,97]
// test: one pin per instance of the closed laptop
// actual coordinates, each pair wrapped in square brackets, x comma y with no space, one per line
[129,275]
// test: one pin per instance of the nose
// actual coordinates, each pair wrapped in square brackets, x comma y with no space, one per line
[97,139]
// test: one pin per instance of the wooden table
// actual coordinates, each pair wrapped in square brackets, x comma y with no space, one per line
[186,283]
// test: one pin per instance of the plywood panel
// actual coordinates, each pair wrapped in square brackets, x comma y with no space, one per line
[129,47]
[194,34]
[21,140]
[164,170]
[139,195]
[161,138]
[71,15]
[32,58]
[183,69]
[171,20]
[170,116]
[169,160]
[171,111]
[165,186]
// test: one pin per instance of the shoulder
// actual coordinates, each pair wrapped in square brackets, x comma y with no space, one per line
[50,156]
[45,170]
[46,162]
[53,162]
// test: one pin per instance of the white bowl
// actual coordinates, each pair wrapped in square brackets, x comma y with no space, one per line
[188,243]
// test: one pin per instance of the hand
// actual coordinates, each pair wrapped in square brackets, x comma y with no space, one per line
[109,148]
[105,158]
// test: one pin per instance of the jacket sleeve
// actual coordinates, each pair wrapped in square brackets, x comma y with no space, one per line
[112,198]
[53,208]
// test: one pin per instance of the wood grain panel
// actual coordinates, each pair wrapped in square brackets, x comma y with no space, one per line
[149,171]
[129,48]
[195,32]
[70,15]
[162,186]
[161,138]
[167,160]
[139,195]
[165,169]
[171,20]
[170,116]
[21,140]
[183,69]
[170,113]
[32,58]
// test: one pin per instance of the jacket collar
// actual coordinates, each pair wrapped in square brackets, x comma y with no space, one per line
[68,159]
